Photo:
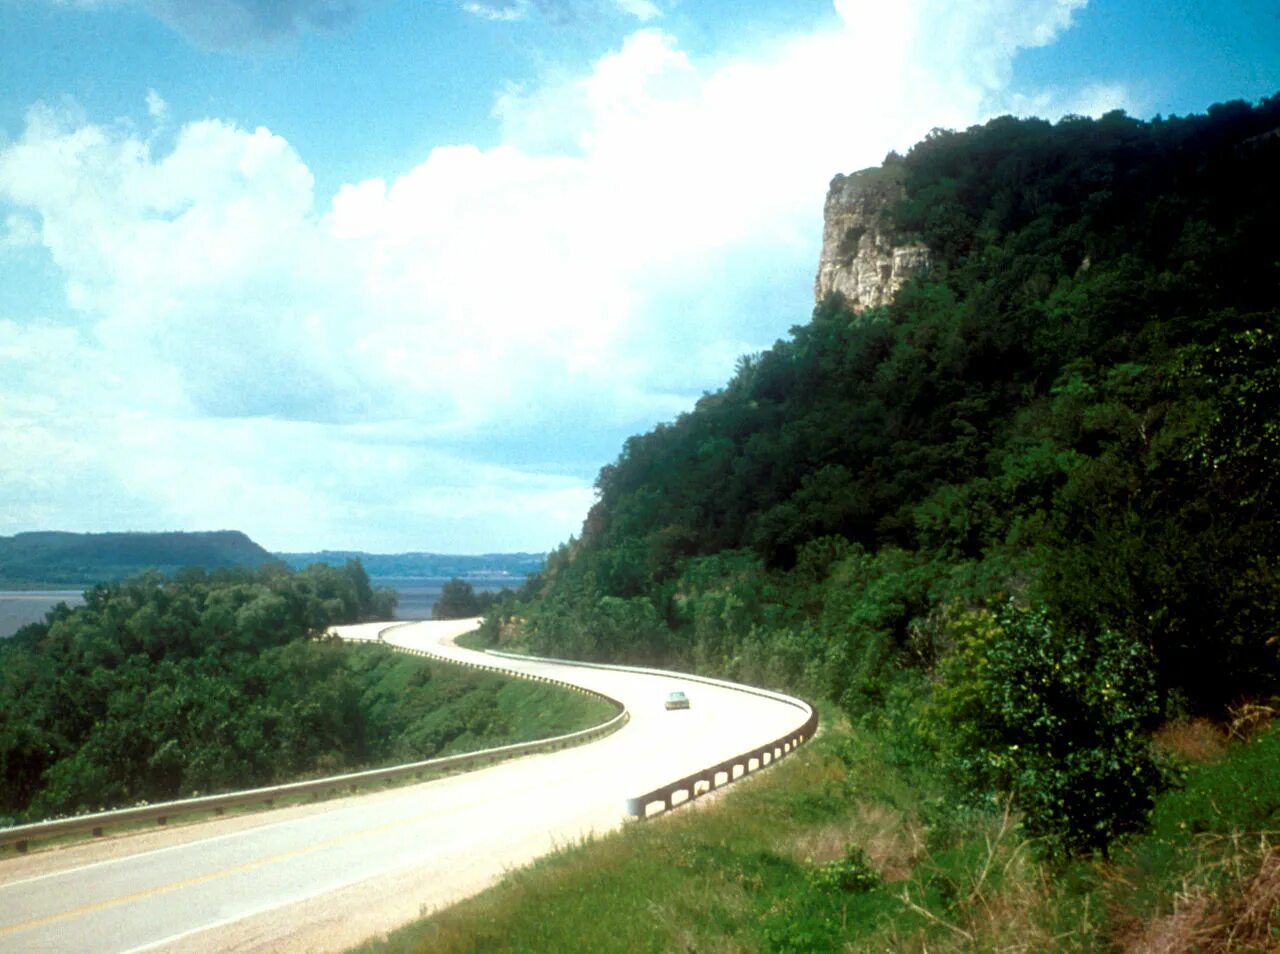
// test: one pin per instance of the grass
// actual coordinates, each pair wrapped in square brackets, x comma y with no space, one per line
[431,708]
[475,639]
[1207,874]
[842,849]
[767,865]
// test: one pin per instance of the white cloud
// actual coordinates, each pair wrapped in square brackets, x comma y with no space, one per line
[157,108]
[378,360]
[19,231]
[106,444]
[506,13]
[642,10]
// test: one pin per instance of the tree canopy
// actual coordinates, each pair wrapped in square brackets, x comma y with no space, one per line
[1073,413]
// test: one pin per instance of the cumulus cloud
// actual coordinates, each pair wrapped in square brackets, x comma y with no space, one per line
[18,231]
[464,344]
[96,440]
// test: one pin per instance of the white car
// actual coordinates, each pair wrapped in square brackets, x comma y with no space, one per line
[677,700]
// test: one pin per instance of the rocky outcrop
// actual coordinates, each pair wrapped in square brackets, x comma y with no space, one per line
[862,258]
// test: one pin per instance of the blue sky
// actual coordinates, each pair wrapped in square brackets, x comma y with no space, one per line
[397,275]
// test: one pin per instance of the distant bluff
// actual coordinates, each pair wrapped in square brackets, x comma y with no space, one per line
[82,558]
[863,258]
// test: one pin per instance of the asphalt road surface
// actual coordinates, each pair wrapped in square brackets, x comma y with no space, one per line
[325,876]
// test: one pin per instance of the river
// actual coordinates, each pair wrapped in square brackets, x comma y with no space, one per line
[417,595]
[20,607]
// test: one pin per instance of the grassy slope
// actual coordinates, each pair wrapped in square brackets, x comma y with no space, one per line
[838,850]
[463,709]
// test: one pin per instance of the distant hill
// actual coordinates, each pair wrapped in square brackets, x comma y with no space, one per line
[517,565]
[84,558]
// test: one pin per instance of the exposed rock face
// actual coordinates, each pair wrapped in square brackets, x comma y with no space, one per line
[861,257]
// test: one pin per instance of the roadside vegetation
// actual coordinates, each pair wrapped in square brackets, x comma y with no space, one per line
[459,600]
[846,848]
[165,688]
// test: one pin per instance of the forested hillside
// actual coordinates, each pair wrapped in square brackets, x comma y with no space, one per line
[162,688]
[54,557]
[1018,518]
[158,687]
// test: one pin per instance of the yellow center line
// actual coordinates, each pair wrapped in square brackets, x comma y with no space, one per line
[201,879]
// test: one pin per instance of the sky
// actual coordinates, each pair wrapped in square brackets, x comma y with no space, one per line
[399,275]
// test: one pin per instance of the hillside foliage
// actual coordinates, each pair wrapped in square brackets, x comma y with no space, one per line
[162,688]
[1020,516]
[158,687]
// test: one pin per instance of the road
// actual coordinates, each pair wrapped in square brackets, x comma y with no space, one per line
[324,876]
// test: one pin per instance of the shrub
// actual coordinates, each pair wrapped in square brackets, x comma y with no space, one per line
[852,873]
[1055,718]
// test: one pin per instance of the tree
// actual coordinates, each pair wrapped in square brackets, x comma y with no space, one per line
[457,601]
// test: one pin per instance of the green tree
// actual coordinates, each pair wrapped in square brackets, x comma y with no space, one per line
[457,601]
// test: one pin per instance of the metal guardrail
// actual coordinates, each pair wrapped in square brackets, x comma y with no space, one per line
[161,812]
[707,779]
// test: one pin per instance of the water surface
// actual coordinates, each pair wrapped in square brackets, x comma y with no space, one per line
[417,595]
[20,607]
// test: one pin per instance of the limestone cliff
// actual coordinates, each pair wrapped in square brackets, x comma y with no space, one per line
[862,258]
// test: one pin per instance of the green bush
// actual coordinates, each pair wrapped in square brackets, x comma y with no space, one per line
[1055,718]
[852,873]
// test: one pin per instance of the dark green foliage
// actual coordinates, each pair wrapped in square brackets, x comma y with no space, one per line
[1168,530]
[160,687]
[457,601]
[1058,719]
[1075,408]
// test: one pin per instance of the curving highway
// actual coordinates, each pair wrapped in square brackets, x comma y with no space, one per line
[325,876]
